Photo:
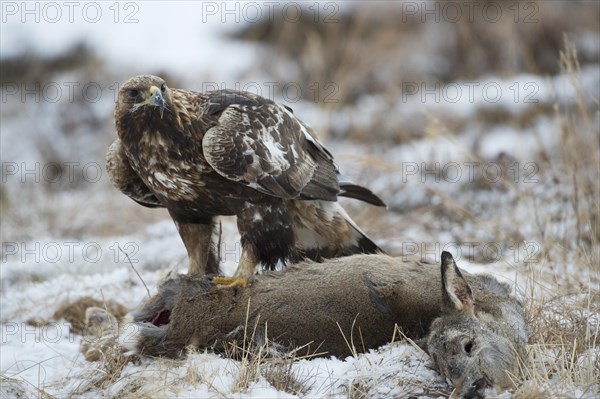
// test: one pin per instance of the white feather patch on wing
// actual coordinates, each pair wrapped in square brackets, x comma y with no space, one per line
[276,153]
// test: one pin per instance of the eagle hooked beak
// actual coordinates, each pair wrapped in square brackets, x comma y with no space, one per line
[156,99]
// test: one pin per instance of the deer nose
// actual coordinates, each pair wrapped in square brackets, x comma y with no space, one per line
[476,391]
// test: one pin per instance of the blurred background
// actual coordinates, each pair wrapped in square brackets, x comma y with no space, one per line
[475,122]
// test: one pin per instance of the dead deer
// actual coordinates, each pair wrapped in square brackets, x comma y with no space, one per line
[472,328]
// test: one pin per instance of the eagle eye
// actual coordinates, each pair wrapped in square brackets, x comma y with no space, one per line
[163,87]
[133,93]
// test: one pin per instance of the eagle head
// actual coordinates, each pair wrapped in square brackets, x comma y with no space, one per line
[142,93]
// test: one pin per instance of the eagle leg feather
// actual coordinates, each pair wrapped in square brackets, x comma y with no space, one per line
[202,240]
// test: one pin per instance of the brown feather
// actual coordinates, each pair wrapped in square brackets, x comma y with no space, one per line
[202,155]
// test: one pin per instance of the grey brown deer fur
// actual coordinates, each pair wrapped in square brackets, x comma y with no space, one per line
[472,328]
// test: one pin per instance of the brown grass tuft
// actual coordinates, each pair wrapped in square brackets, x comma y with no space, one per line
[259,357]
[74,312]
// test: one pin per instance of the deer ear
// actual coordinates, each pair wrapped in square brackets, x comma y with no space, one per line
[456,293]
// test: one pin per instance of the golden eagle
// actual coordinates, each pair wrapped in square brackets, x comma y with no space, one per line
[202,155]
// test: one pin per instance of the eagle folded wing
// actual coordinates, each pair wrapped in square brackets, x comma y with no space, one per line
[124,178]
[262,145]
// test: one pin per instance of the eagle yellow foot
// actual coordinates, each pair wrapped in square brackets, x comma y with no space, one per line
[243,274]
[230,282]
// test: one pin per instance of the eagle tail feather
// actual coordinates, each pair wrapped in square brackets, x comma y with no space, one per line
[361,242]
[351,190]
[367,246]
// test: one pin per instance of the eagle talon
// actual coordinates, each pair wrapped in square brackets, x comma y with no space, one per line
[230,282]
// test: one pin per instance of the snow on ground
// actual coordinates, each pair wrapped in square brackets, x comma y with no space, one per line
[48,357]
[463,100]
[63,243]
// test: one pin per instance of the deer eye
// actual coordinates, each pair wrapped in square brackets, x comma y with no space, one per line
[133,93]
[468,347]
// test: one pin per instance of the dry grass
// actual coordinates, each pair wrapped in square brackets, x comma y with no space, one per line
[379,48]
[364,53]
[563,350]
[260,357]
[581,162]
[102,375]
[11,388]
[107,370]
[361,48]
[563,290]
